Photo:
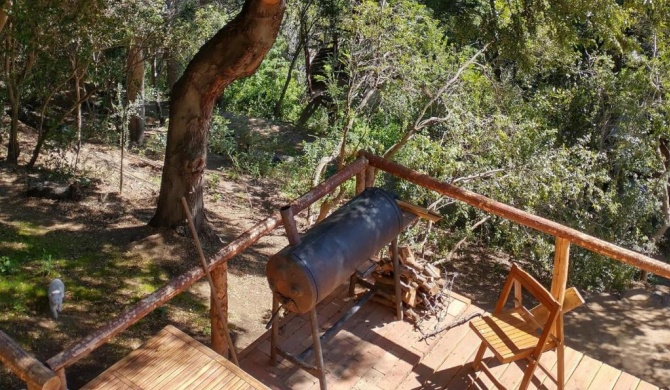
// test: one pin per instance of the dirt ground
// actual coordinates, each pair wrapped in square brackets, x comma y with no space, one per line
[631,332]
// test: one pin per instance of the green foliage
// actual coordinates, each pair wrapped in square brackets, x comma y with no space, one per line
[250,153]
[47,266]
[7,266]
[563,114]
[221,137]
[258,94]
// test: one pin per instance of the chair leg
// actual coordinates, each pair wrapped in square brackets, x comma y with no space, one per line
[560,366]
[528,375]
[479,356]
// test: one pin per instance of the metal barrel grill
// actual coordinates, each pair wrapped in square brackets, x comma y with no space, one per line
[329,253]
[303,274]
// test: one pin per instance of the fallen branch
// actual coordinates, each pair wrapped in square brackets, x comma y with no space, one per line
[450,325]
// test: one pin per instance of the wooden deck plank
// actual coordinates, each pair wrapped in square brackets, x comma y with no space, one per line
[173,366]
[129,360]
[168,366]
[187,369]
[212,377]
[378,353]
[435,355]
[459,356]
[157,358]
[572,359]
[548,360]
[193,379]
[626,382]
[173,360]
[646,386]
[606,378]
[482,381]
[583,376]
[125,383]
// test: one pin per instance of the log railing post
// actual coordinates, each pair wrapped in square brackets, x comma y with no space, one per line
[360,181]
[219,327]
[561,264]
[63,381]
[558,284]
[370,173]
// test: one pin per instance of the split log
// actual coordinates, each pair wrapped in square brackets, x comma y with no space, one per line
[432,270]
[421,283]
[409,297]
[406,257]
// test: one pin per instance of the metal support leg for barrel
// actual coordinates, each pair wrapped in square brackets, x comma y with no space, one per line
[396,273]
[274,333]
[352,284]
[318,354]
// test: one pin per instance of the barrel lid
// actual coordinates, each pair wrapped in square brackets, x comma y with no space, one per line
[291,281]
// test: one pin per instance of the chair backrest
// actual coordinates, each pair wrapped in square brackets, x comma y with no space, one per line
[519,279]
[531,285]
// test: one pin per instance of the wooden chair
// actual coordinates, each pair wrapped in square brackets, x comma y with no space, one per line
[515,333]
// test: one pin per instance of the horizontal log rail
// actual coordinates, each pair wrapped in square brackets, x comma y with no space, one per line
[521,217]
[30,370]
[177,285]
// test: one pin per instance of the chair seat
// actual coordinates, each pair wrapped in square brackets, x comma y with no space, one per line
[508,335]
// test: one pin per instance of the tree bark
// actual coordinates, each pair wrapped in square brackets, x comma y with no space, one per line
[4,9]
[234,52]
[135,92]
[13,145]
[218,338]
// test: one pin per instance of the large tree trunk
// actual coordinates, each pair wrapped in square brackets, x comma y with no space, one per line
[135,92]
[3,13]
[234,52]
[13,145]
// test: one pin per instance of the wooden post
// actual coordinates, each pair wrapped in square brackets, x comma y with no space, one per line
[60,373]
[561,264]
[218,285]
[219,293]
[370,173]
[396,276]
[360,181]
[558,284]
[287,218]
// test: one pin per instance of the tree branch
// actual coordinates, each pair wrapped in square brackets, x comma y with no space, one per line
[418,122]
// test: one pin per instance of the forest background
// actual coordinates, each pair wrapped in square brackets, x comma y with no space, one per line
[557,108]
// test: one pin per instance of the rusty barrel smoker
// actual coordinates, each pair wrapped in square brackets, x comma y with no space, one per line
[303,274]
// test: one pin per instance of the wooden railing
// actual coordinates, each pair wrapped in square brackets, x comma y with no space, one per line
[521,217]
[363,168]
[159,297]
[26,367]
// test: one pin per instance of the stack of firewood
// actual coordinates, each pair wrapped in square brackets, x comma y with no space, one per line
[425,290]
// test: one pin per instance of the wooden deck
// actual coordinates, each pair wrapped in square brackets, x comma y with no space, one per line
[173,360]
[373,351]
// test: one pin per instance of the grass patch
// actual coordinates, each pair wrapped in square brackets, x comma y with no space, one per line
[94,272]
